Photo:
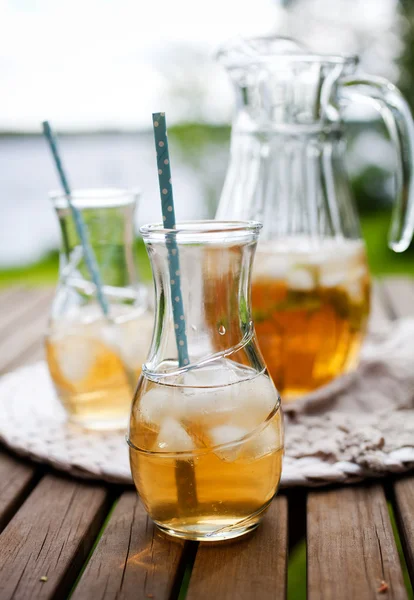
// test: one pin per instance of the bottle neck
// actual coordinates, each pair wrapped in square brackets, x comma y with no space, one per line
[110,232]
[215,292]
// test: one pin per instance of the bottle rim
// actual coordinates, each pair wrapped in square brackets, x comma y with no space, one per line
[202,229]
[95,197]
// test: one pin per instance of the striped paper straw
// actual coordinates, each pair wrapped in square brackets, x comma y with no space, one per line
[168,215]
[82,232]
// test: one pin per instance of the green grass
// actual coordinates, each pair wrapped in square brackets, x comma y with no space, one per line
[374,227]
[406,576]
[297,572]
[95,544]
[381,259]
[45,271]
[40,273]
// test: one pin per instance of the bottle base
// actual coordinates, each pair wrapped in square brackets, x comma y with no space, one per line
[209,531]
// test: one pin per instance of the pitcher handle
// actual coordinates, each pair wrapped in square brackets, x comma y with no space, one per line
[397,117]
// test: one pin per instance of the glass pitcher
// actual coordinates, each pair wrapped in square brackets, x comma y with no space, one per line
[311,286]
[206,439]
[94,361]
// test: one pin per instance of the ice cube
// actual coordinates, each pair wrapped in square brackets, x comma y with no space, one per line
[355,291]
[300,278]
[75,356]
[129,339]
[272,266]
[157,404]
[210,394]
[220,373]
[332,279]
[110,335]
[263,443]
[358,272]
[173,437]
[258,398]
[342,262]
[334,269]
[226,434]
[135,339]
[209,406]
[196,378]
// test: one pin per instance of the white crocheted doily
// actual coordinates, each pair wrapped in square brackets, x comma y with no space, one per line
[33,424]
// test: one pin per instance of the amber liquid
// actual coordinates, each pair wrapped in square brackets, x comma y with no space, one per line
[311,321]
[209,471]
[95,367]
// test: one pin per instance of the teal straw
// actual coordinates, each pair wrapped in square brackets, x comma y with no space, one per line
[168,214]
[90,259]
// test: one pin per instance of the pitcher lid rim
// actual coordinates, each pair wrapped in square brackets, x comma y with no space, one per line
[242,61]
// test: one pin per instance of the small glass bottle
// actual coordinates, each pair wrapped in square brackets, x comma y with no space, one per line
[206,439]
[95,361]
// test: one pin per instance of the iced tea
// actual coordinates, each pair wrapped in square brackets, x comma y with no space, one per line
[310,307]
[206,450]
[95,365]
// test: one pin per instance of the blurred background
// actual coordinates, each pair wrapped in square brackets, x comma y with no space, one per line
[98,69]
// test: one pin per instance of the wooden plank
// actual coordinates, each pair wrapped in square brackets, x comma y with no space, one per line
[404,512]
[23,302]
[16,477]
[54,529]
[27,337]
[35,353]
[50,536]
[132,559]
[32,351]
[16,480]
[253,567]
[399,292]
[350,546]
[7,294]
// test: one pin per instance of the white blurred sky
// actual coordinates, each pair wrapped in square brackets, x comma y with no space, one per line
[89,64]
[96,62]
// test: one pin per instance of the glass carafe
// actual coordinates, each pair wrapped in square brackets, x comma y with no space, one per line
[205,439]
[311,287]
[95,361]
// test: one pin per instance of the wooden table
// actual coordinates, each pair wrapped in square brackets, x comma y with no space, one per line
[62,536]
